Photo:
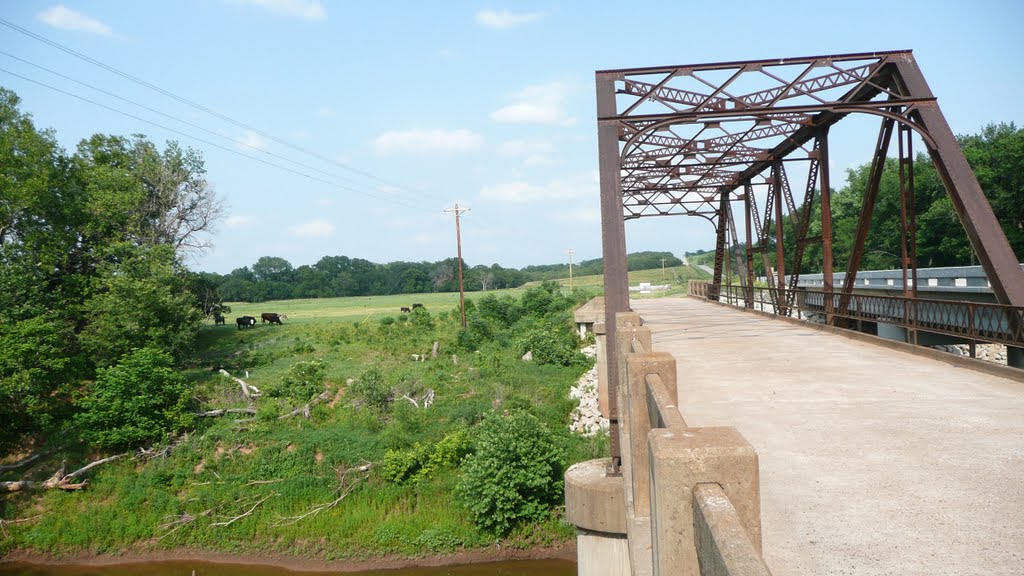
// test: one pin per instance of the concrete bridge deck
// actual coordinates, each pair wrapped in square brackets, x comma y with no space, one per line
[873,460]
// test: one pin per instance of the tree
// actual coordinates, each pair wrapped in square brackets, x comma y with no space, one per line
[140,400]
[176,205]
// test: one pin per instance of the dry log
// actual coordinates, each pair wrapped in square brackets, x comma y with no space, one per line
[59,479]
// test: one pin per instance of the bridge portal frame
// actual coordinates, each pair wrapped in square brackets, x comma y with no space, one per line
[691,139]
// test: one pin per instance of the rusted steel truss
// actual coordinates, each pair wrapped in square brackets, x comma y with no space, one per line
[692,139]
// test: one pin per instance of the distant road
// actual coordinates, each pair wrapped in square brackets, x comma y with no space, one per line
[706,268]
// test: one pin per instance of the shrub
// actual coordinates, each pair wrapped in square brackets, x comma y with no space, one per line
[304,380]
[371,389]
[401,465]
[551,344]
[139,400]
[515,474]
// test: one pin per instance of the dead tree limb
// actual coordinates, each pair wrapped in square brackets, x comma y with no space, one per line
[248,391]
[246,513]
[59,479]
[345,487]
[223,411]
[21,463]
[3,522]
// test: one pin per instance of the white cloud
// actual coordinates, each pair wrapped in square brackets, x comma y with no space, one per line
[505,19]
[540,104]
[521,192]
[537,152]
[253,140]
[305,9]
[238,221]
[585,215]
[318,228]
[67,19]
[439,140]
[518,147]
[325,112]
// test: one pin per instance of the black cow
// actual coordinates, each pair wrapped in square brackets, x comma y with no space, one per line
[405,309]
[273,318]
[245,322]
[417,305]
[218,319]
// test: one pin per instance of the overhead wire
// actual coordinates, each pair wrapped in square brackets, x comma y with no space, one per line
[198,106]
[214,144]
[177,119]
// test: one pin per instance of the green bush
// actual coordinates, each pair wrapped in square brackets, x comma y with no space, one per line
[551,344]
[401,465]
[139,400]
[371,389]
[515,475]
[304,380]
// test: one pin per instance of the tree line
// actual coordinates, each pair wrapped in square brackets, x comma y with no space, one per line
[274,278]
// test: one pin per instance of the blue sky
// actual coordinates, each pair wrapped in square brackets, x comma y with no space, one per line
[431,103]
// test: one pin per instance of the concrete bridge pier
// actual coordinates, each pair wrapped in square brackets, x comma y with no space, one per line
[594,504]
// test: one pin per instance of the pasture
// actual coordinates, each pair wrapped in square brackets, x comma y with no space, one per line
[363,308]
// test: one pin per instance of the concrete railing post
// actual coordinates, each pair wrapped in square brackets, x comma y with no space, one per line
[638,366]
[679,461]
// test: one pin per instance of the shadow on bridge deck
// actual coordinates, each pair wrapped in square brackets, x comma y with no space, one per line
[873,460]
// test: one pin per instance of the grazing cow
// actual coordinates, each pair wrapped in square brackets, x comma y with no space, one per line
[405,309]
[218,319]
[272,318]
[245,322]
[417,305]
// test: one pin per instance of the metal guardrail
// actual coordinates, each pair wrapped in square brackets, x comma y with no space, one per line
[977,321]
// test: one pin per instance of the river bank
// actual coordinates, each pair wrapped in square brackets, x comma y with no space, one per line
[565,552]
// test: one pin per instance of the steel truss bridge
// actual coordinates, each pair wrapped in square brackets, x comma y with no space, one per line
[708,139]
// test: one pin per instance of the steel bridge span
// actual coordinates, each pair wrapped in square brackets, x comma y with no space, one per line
[746,444]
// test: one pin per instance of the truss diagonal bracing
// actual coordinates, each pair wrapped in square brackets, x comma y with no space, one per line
[693,139]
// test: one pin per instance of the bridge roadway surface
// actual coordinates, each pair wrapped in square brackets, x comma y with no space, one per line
[872,460]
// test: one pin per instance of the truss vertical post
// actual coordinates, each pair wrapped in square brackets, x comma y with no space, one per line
[613,249]
[748,192]
[826,224]
[780,253]
[716,278]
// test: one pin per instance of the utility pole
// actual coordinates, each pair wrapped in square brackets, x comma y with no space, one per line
[570,252]
[458,240]
[662,268]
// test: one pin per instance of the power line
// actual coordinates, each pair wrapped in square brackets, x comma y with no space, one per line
[177,119]
[209,143]
[195,105]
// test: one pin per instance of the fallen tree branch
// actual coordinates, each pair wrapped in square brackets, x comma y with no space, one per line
[59,479]
[16,521]
[345,488]
[21,463]
[246,513]
[248,391]
[223,411]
